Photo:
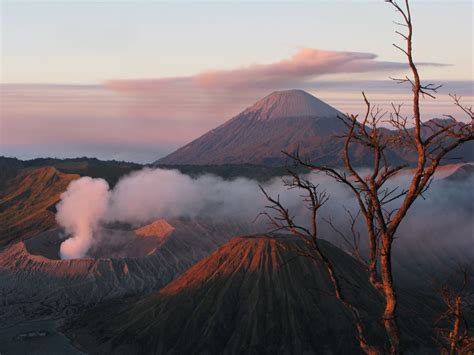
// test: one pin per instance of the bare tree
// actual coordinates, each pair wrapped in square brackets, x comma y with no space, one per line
[431,142]
[283,220]
[453,332]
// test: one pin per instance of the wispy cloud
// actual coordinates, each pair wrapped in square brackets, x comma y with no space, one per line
[306,65]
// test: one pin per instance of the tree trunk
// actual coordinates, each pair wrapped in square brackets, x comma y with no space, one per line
[389,316]
[453,337]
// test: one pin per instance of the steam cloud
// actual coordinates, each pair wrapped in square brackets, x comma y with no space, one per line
[81,208]
[149,194]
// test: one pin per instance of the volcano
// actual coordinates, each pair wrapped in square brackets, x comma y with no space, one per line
[254,295]
[283,120]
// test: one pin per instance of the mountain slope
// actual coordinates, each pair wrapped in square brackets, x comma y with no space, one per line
[251,296]
[27,202]
[282,120]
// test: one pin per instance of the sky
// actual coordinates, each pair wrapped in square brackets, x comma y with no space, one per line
[134,80]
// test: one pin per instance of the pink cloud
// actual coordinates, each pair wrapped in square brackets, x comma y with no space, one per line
[302,67]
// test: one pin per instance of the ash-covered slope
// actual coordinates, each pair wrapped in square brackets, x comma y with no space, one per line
[252,296]
[34,282]
[283,120]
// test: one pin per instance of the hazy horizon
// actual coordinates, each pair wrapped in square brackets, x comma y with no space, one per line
[134,81]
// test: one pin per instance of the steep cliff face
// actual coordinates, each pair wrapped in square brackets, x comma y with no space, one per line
[254,295]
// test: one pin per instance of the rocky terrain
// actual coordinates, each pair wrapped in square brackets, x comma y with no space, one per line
[252,295]
[37,286]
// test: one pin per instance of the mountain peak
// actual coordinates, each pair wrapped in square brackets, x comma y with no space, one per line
[290,103]
[283,120]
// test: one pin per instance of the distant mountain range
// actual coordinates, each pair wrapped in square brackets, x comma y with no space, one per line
[110,170]
[284,121]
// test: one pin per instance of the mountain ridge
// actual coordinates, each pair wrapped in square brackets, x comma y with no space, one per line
[27,202]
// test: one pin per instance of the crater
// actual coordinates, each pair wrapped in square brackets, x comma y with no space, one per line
[109,242]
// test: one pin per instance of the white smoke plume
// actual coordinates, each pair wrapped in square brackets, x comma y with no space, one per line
[149,194]
[80,210]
